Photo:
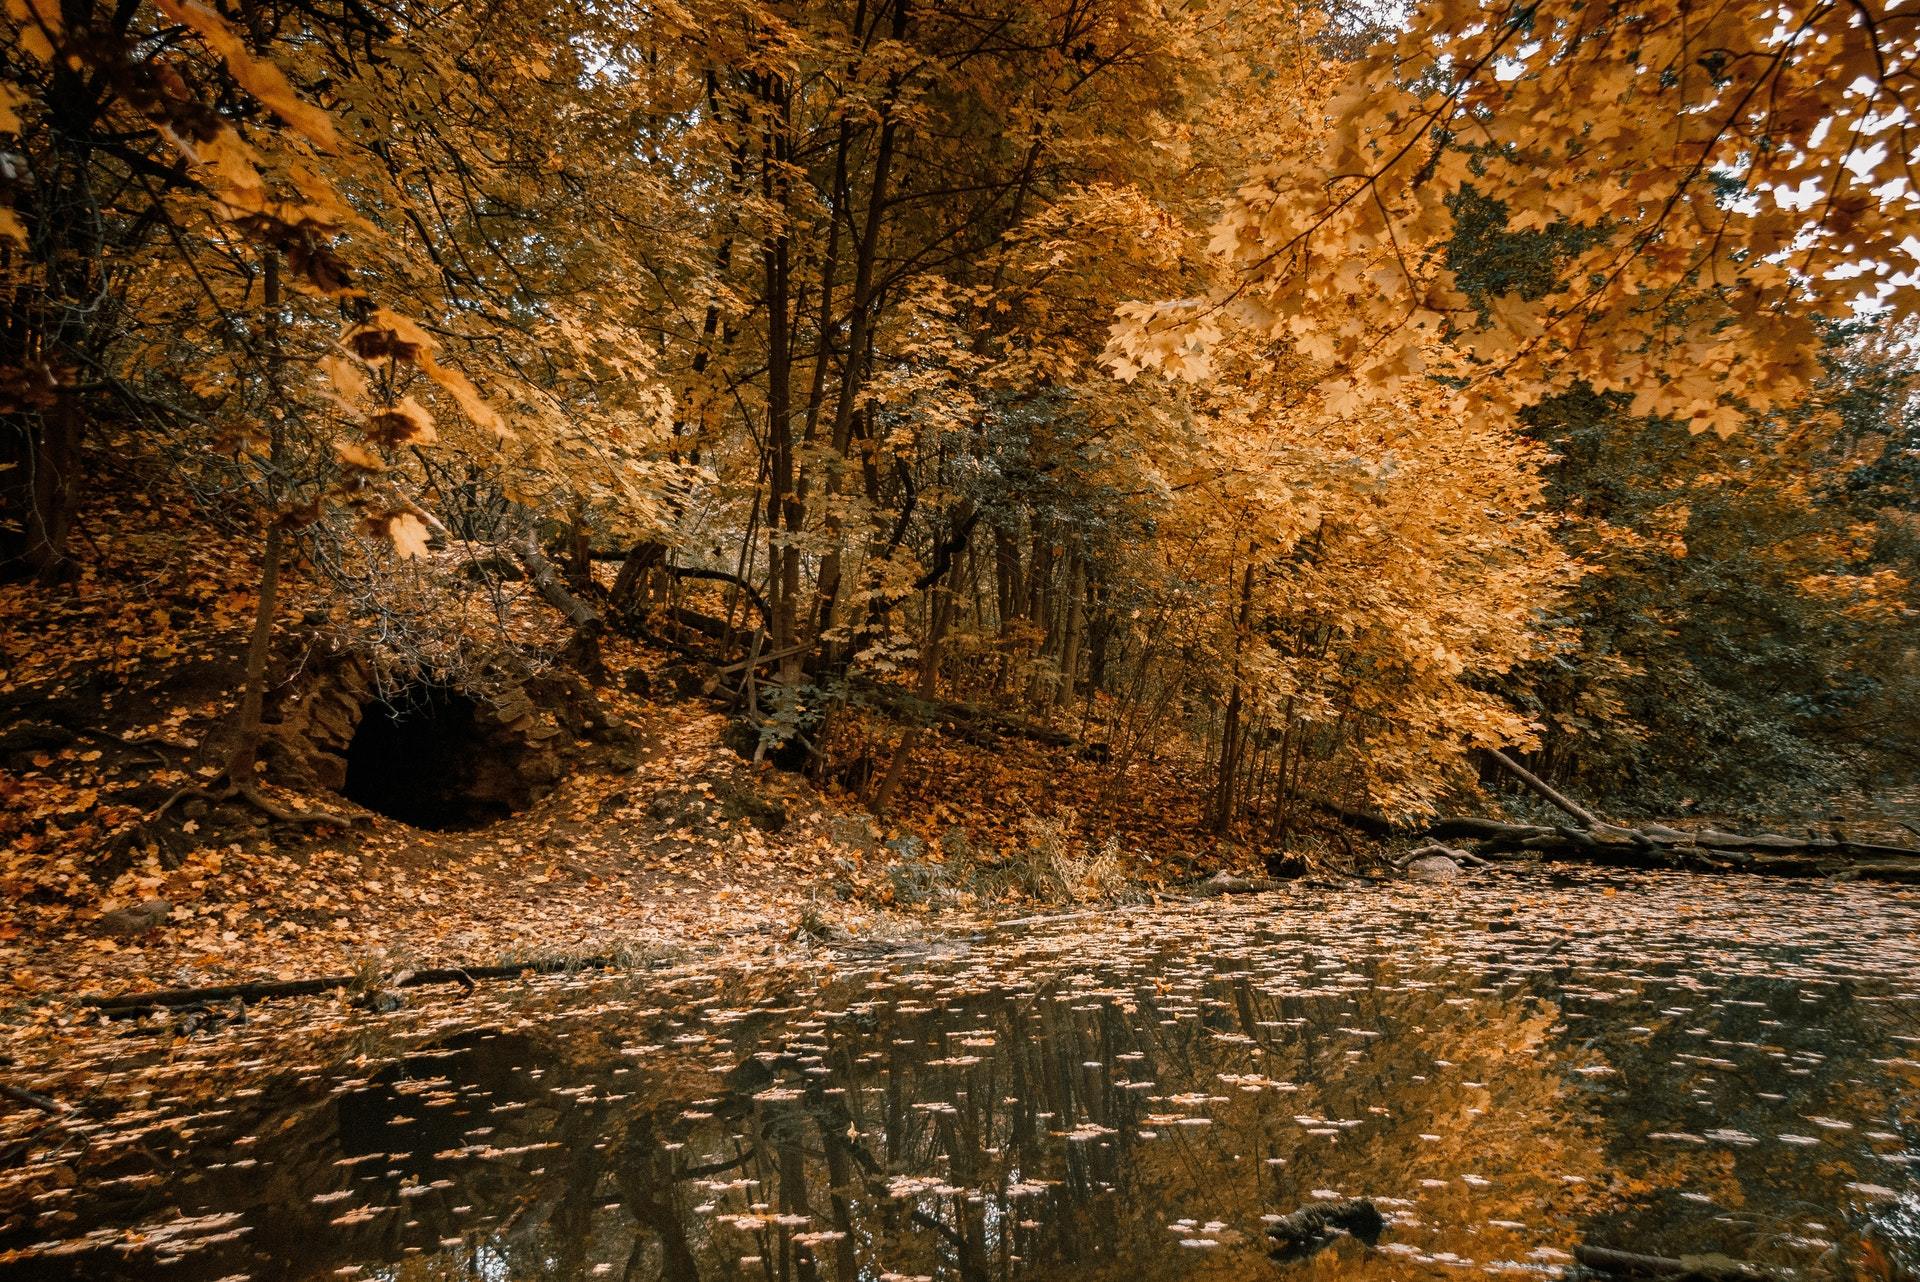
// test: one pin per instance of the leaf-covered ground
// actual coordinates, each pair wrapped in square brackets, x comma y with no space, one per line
[117,694]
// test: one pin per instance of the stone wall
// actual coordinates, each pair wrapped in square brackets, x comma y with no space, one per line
[515,748]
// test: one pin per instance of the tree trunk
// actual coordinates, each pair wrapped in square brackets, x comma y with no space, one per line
[786,511]
[59,318]
[925,689]
[1075,610]
[253,697]
[583,652]
[1226,790]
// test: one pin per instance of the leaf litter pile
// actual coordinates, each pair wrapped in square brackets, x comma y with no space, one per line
[1662,1064]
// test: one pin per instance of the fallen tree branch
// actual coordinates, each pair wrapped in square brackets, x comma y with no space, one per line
[1545,790]
[963,720]
[726,576]
[643,557]
[1454,853]
[583,652]
[758,661]
[132,1004]
[1690,1268]
[33,1099]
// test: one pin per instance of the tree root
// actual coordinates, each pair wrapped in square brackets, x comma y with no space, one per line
[275,811]
[214,791]
[150,744]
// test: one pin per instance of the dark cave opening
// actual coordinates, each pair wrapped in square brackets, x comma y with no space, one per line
[425,757]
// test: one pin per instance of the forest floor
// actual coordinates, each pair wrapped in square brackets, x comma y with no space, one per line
[627,858]
[115,694]
[115,691]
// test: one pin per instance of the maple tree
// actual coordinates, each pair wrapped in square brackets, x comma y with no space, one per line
[1187,385]
[1719,182]
[1094,449]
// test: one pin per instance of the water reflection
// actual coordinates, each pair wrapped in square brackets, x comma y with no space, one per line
[1663,1065]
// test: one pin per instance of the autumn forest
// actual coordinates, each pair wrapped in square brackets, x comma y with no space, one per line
[506,503]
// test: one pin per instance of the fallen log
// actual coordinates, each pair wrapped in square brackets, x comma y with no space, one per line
[975,724]
[1549,838]
[1884,872]
[1545,790]
[583,651]
[1359,820]
[1710,850]
[1685,1268]
[1657,846]
[1484,829]
[1226,883]
[131,1004]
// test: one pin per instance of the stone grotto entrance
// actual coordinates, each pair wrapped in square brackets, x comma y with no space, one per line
[434,757]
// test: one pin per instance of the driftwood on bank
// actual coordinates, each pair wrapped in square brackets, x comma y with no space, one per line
[1687,1268]
[1592,839]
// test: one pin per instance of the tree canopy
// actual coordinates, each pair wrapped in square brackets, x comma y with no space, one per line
[1313,397]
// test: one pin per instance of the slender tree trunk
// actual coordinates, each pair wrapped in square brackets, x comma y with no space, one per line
[786,511]
[862,308]
[60,315]
[253,697]
[927,686]
[1226,793]
[1073,608]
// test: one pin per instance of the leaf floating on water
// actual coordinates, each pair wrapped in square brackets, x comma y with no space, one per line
[1873,1190]
[1727,1135]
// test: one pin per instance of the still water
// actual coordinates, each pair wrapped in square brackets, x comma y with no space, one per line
[1508,1068]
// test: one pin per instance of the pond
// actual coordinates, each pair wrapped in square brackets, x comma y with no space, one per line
[1508,1068]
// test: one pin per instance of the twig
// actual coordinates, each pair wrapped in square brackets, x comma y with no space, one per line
[34,1099]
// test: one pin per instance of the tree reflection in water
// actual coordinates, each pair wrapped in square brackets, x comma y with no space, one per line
[1665,1065]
